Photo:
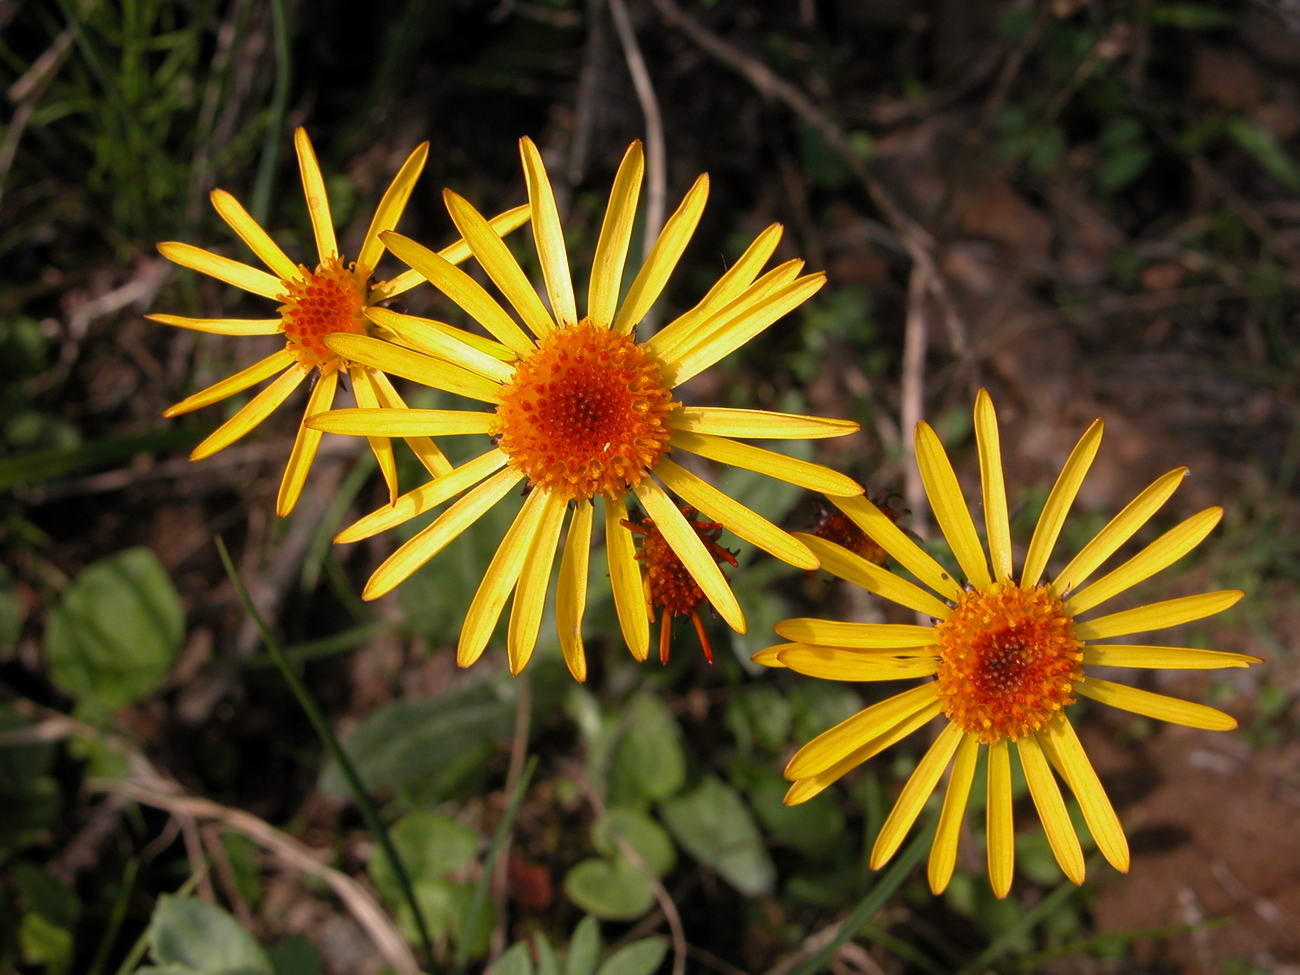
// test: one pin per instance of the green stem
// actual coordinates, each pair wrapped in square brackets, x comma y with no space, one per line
[889,882]
[368,811]
[279,100]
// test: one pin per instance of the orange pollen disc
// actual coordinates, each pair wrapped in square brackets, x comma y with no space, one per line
[670,585]
[1008,661]
[322,303]
[585,413]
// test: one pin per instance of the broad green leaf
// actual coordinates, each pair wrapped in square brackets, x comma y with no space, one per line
[649,762]
[715,826]
[44,894]
[638,830]
[547,963]
[403,744]
[515,961]
[639,958]
[1264,146]
[45,943]
[116,630]
[188,932]
[584,948]
[430,847]
[610,889]
[815,829]
[29,796]
[295,955]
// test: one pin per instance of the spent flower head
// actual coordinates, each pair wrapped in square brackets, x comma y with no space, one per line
[1005,655]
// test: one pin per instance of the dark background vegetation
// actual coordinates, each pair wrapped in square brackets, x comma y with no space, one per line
[1091,208]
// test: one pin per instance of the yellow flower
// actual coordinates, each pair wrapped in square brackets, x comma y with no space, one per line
[579,410]
[1006,656]
[333,298]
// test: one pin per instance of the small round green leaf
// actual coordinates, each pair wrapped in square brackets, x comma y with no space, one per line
[650,840]
[610,889]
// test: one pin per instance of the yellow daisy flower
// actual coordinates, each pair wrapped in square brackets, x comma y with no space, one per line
[579,410]
[1005,656]
[313,304]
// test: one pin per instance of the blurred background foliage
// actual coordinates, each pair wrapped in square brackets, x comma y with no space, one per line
[1089,207]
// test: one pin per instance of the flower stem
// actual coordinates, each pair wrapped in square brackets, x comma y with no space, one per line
[359,793]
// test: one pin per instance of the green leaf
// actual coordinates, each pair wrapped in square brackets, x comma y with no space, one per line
[11,615]
[584,948]
[1192,16]
[638,830]
[116,630]
[1264,147]
[815,829]
[611,889]
[649,762]
[404,744]
[639,958]
[547,963]
[515,961]
[295,955]
[191,933]
[715,826]
[430,846]
[46,943]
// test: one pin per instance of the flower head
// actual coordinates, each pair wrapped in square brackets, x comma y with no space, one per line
[669,586]
[582,413]
[1005,656]
[331,298]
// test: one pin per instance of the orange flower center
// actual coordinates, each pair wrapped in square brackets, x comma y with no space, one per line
[1008,661]
[669,584]
[322,303]
[585,413]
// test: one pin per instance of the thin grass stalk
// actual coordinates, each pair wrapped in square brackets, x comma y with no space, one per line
[261,200]
[359,793]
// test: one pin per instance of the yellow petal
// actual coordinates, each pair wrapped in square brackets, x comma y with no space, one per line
[313,188]
[943,851]
[687,333]
[500,578]
[920,785]
[996,525]
[740,328]
[801,473]
[1051,809]
[881,529]
[571,592]
[371,422]
[852,733]
[424,498]
[380,445]
[503,223]
[250,376]
[833,663]
[1058,504]
[251,413]
[440,340]
[423,546]
[1159,706]
[221,326]
[391,205]
[615,234]
[411,331]
[1118,531]
[499,263]
[999,831]
[734,516]
[467,293]
[730,286]
[862,636]
[1160,554]
[625,579]
[760,424]
[397,361]
[805,788]
[425,450]
[548,235]
[1069,759]
[771,656]
[663,257]
[854,568]
[534,580]
[251,233]
[1158,616]
[949,506]
[224,269]
[304,445]
[686,545]
[1162,658]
